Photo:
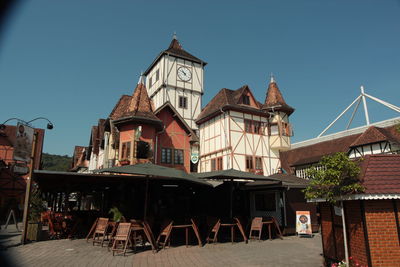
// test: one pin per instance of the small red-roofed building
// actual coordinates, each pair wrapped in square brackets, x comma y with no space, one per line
[372,218]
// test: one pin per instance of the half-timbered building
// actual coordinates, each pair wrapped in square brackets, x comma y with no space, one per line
[237,131]
[176,76]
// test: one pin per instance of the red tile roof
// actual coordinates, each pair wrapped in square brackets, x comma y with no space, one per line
[274,100]
[313,153]
[372,135]
[381,174]
[139,106]
[228,99]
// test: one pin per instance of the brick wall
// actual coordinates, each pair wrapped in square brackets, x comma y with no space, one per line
[382,233]
[355,232]
[328,241]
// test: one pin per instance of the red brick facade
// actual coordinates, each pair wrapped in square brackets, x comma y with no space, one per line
[375,243]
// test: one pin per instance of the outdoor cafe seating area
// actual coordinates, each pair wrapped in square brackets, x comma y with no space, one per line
[126,236]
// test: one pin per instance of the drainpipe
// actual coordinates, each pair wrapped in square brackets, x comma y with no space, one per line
[346,253]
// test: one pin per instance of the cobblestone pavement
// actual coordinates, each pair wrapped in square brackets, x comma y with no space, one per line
[291,251]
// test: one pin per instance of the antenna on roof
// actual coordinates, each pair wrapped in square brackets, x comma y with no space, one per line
[271,76]
[361,97]
[141,78]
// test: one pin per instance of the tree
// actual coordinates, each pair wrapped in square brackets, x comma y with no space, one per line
[335,176]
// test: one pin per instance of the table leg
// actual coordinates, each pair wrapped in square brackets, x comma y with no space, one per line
[269,231]
[232,233]
[187,236]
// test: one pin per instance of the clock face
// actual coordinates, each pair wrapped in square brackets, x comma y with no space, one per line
[184,74]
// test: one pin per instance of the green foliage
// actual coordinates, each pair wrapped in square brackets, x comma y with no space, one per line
[56,162]
[117,215]
[337,176]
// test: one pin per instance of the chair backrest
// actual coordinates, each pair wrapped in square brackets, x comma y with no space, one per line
[256,223]
[102,224]
[216,226]
[150,234]
[123,230]
[166,228]
[237,221]
[195,228]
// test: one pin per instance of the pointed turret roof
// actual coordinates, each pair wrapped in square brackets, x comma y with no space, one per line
[175,49]
[138,108]
[274,100]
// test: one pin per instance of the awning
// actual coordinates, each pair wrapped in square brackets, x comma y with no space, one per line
[235,175]
[153,171]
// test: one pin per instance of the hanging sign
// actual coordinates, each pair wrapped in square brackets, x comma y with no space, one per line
[303,223]
[338,211]
[194,158]
[23,143]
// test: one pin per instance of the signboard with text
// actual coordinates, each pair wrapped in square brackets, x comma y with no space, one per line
[23,143]
[303,223]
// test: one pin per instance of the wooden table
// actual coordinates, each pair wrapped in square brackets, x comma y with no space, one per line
[269,223]
[139,226]
[232,226]
[187,227]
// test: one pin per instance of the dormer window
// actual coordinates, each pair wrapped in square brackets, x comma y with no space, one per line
[246,100]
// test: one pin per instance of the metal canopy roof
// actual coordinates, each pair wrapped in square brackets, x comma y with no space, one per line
[153,171]
[233,174]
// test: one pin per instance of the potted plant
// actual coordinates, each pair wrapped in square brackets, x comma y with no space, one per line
[117,214]
[37,206]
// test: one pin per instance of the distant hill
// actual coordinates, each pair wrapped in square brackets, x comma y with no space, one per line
[56,162]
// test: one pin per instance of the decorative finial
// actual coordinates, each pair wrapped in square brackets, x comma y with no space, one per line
[174,36]
[141,78]
[272,78]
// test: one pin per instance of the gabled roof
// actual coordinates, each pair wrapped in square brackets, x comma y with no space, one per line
[228,99]
[193,136]
[313,153]
[372,135]
[381,174]
[274,100]
[175,49]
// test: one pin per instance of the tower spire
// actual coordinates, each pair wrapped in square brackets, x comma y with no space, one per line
[141,78]
[174,36]
[272,80]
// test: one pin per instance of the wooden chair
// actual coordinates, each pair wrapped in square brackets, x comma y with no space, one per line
[212,236]
[163,237]
[91,231]
[137,233]
[196,231]
[256,226]
[110,233]
[122,238]
[239,225]
[150,236]
[100,231]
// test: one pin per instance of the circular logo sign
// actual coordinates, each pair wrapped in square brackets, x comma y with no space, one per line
[194,158]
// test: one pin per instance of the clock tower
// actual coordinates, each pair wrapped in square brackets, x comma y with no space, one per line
[177,77]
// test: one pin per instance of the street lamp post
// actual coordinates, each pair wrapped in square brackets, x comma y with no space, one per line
[32,166]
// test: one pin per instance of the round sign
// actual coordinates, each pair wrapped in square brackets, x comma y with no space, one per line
[194,158]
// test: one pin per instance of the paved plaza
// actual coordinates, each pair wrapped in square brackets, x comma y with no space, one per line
[291,251]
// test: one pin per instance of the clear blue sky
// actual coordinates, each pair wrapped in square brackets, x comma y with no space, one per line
[70,61]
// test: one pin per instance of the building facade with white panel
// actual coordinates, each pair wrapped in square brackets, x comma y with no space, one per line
[238,132]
